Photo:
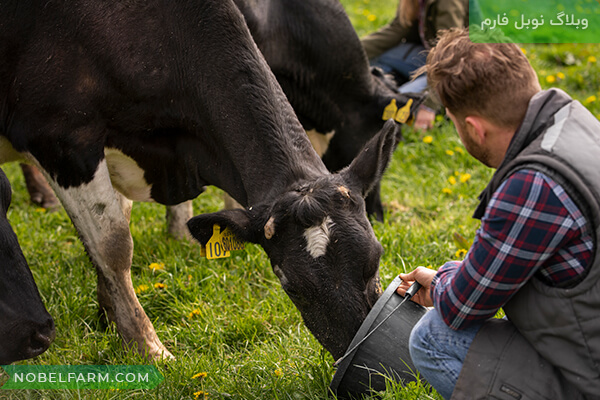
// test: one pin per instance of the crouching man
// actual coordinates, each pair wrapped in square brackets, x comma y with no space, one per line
[535,254]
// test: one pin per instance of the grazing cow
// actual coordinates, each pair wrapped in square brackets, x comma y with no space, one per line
[317,58]
[158,99]
[26,328]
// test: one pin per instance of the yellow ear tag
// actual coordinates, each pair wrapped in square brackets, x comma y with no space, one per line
[404,112]
[222,243]
[390,110]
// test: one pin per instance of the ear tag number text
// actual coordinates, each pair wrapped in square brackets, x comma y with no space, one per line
[221,244]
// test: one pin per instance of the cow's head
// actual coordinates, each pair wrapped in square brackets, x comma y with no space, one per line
[320,243]
[26,328]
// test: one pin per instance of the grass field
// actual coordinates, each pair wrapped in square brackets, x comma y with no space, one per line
[234,332]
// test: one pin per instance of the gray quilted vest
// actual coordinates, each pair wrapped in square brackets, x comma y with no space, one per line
[560,138]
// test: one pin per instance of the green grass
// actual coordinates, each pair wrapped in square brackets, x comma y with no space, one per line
[230,318]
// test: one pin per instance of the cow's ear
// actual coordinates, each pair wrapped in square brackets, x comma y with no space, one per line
[368,166]
[239,222]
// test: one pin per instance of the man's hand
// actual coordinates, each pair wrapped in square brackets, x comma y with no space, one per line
[422,275]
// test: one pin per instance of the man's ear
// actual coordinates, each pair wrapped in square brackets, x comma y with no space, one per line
[476,127]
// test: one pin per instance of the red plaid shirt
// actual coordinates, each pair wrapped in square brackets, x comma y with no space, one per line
[531,228]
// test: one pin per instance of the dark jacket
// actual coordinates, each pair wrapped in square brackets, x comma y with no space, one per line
[550,346]
[439,14]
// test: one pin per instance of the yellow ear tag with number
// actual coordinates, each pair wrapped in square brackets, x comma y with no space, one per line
[221,244]
[404,112]
[390,110]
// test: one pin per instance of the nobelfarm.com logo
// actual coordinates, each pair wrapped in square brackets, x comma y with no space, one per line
[79,377]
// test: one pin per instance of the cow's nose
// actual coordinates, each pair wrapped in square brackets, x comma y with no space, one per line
[41,338]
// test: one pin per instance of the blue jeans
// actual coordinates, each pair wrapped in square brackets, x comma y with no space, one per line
[438,352]
[402,61]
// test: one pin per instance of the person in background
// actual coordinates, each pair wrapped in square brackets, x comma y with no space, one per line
[400,47]
[535,253]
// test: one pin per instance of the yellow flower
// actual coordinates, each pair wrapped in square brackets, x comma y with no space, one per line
[524,51]
[449,152]
[560,75]
[371,17]
[200,394]
[591,59]
[141,288]
[460,253]
[159,285]
[40,210]
[446,190]
[550,79]
[452,180]
[590,99]
[194,312]
[464,177]
[366,12]
[428,139]
[200,375]
[459,149]
[156,266]
[278,373]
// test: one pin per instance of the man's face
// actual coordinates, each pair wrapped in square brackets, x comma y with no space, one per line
[468,137]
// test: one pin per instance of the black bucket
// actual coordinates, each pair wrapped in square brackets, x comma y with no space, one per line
[384,354]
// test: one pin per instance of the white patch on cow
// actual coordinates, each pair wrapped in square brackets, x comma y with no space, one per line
[320,141]
[317,238]
[127,176]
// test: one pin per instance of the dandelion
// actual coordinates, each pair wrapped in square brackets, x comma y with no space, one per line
[459,149]
[366,12]
[428,139]
[371,17]
[591,59]
[159,285]
[452,180]
[464,177]
[201,394]
[191,315]
[590,99]
[156,266]
[446,190]
[40,210]
[200,375]
[450,152]
[550,79]
[524,51]
[560,75]
[141,288]
[460,254]
[278,373]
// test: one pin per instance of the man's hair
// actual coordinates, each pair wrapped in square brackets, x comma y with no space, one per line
[491,80]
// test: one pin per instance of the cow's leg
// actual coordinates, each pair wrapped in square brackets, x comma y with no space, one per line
[230,203]
[39,190]
[177,217]
[104,230]
[104,299]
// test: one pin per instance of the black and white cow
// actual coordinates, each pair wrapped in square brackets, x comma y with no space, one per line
[317,58]
[158,99]
[26,328]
